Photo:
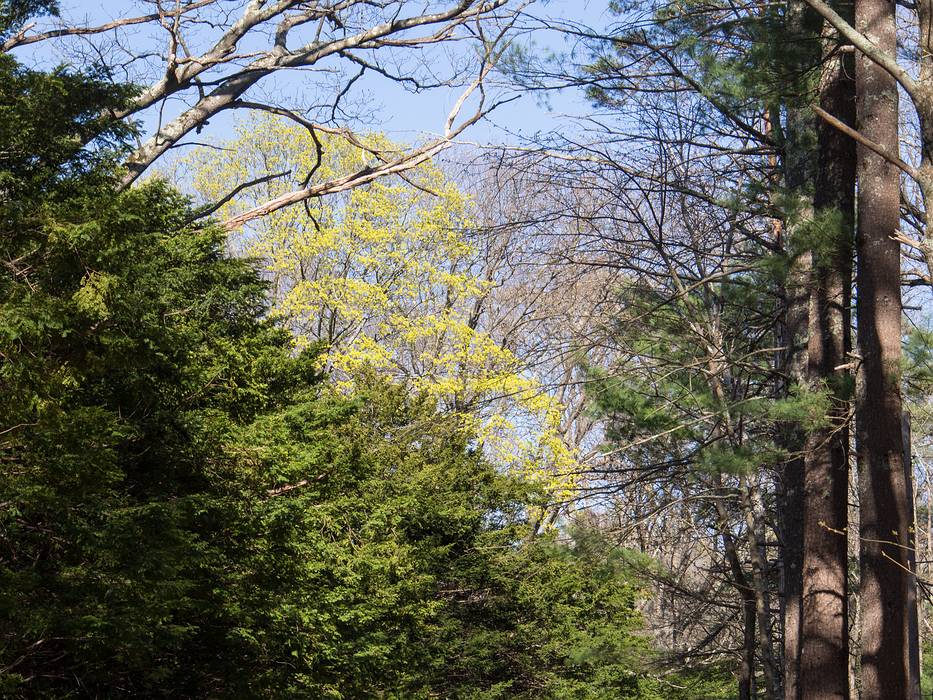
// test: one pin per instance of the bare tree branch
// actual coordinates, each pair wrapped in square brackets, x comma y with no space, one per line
[23,38]
[892,158]
[180,76]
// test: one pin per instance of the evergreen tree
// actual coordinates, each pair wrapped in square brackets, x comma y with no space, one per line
[187,510]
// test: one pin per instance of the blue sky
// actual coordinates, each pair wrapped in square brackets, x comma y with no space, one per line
[401,114]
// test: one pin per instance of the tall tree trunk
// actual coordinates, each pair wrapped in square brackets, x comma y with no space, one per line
[912,617]
[798,180]
[792,440]
[924,106]
[799,173]
[749,642]
[792,562]
[885,510]
[824,632]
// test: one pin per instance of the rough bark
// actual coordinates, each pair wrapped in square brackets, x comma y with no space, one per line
[792,559]
[798,178]
[824,631]
[885,510]
[749,642]
[912,615]
[792,439]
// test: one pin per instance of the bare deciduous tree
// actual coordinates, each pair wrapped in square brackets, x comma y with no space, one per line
[209,57]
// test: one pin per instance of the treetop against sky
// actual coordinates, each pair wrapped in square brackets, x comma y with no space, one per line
[403,110]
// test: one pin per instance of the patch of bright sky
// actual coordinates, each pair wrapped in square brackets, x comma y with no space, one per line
[378,102]
[410,114]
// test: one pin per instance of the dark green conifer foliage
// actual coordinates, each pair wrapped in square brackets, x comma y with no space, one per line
[130,347]
[187,510]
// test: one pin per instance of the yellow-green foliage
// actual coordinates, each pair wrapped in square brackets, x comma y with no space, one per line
[383,276]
